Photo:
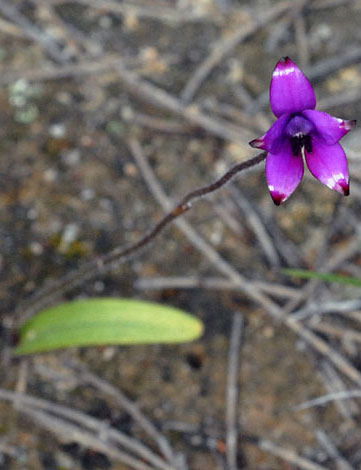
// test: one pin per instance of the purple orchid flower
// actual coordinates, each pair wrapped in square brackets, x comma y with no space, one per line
[301,132]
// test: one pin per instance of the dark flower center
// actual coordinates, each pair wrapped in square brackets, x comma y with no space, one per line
[301,142]
[299,131]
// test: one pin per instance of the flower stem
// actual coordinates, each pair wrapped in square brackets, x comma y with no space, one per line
[101,265]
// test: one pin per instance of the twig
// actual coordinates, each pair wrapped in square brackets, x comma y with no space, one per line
[254,220]
[278,32]
[23,375]
[332,450]
[323,348]
[288,455]
[172,16]
[224,47]
[77,42]
[326,67]
[342,333]
[85,376]
[150,93]
[340,99]
[224,209]
[348,250]
[323,4]
[232,113]
[56,289]
[83,423]
[321,401]
[301,39]
[324,263]
[233,391]
[335,383]
[84,67]
[68,431]
[333,225]
[159,124]
[173,282]
[261,119]
[326,307]
[32,31]
[355,316]
[158,97]
[284,246]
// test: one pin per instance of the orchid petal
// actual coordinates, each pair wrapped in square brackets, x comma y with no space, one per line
[330,129]
[291,91]
[273,139]
[328,163]
[284,172]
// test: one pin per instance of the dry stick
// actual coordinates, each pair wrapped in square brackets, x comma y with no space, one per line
[151,94]
[285,247]
[333,452]
[156,12]
[299,24]
[233,391]
[104,387]
[341,333]
[158,97]
[190,282]
[84,67]
[70,432]
[321,4]
[42,297]
[224,210]
[321,308]
[84,423]
[326,67]
[226,269]
[340,99]
[75,39]
[355,316]
[82,376]
[32,31]
[232,113]
[158,124]
[288,455]
[255,222]
[321,401]
[335,383]
[309,288]
[348,251]
[224,47]
[323,348]
[245,99]
[333,224]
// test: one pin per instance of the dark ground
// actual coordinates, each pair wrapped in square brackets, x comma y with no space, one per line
[70,190]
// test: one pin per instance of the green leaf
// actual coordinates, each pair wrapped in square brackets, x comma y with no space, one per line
[104,321]
[338,278]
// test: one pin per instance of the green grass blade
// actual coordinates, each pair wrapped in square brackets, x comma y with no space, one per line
[104,321]
[337,278]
